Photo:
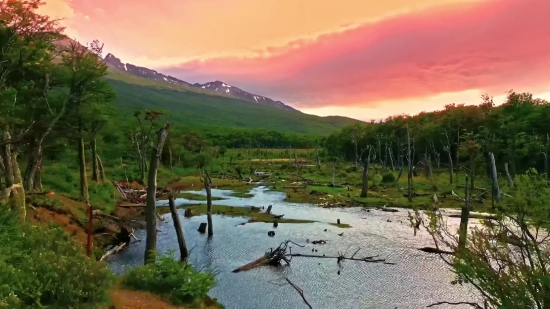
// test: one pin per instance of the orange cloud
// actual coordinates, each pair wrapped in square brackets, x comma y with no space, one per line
[491,46]
[324,56]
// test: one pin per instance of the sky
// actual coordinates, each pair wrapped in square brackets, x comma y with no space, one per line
[363,59]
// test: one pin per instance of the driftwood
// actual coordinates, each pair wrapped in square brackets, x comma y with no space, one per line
[113,250]
[177,226]
[283,253]
[435,250]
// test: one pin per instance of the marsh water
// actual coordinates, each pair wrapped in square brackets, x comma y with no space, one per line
[416,280]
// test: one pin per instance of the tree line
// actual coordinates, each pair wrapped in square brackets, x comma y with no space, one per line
[458,137]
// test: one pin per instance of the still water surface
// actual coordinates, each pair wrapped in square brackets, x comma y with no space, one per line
[417,280]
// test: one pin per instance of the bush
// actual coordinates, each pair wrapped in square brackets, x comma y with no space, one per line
[177,281]
[42,267]
[388,178]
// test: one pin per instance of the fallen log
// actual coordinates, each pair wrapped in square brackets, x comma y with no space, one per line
[115,249]
[283,253]
[435,250]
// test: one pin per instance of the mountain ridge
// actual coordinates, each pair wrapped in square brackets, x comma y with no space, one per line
[214,86]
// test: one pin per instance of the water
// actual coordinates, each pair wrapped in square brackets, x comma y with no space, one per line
[417,280]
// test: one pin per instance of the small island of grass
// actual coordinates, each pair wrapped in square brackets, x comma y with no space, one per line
[196,196]
[242,194]
[254,215]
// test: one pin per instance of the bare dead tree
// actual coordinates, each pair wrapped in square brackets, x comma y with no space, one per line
[496,196]
[401,159]
[390,155]
[150,210]
[410,158]
[356,135]
[378,137]
[207,182]
[447,149]
[141,138]
[177,226]
[464,217]
[366,165]
[508,176]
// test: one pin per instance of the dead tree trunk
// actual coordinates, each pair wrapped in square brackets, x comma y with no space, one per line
[177,226]
[95,168]
[410,172]
[447,148]
[32,179]
[101,169]
[333,166]
[508,177]
[464,217]
[389,149]
[472,173]
[170,158]
[365,184]
[82,169]
[545,154]
[401,160]
[494,177]
[208,203]
[150,210]
[317,159]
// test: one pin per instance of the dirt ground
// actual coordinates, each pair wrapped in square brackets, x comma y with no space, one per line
[126,299]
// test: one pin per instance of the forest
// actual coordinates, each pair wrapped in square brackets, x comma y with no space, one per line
[65,148]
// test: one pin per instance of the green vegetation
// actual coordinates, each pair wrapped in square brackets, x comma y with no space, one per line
[242,194]
[198,109]
[255,215]
[176,281]
[506,259]
[44,268]
[69,127]
[196,197]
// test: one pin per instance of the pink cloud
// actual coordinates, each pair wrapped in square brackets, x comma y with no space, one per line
[494,46]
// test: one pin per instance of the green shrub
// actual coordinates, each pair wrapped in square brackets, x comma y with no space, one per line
[102,196]
[42,267]
[177,281]
[388,178]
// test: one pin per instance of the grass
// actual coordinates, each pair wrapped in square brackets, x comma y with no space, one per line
[379,194]
[242,194]
[230,211]
[196,197]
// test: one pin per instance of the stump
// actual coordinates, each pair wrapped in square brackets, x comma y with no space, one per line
[275,224]
[271,233]
[188,213]
[202,228]
[268,211]
[337,221]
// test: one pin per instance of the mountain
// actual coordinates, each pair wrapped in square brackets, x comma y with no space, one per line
[216,86]
[113,61]
[238,93]
[197,108]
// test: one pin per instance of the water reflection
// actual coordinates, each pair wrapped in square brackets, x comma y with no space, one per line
[417,280]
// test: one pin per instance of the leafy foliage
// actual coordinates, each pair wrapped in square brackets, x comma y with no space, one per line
[507,259]
[178,281]
[43,268]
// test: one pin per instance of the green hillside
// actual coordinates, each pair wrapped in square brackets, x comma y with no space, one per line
[196,107]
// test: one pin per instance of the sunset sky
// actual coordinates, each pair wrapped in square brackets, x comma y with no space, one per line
[364,59]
